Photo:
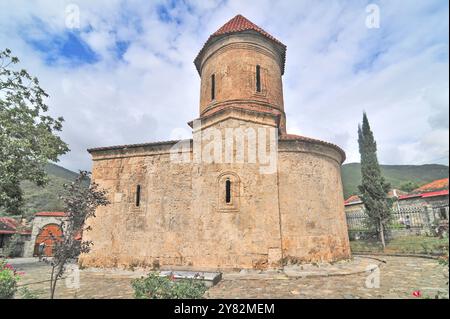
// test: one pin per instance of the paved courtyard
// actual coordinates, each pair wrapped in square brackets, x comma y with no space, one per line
[399,277]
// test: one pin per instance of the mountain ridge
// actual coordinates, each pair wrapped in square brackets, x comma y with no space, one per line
[396,175]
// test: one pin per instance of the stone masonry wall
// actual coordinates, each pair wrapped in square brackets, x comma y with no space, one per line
[38,223]
[182,221]
[313,223]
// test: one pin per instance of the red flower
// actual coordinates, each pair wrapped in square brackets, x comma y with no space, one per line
[417,293]
[10,267]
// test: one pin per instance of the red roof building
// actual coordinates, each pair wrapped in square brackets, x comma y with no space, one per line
[438,184]
[352,200]
[50,214]
[9,226]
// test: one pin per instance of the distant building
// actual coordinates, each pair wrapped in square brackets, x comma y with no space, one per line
[8,227]
[46,229]
[422,210]
[439,184]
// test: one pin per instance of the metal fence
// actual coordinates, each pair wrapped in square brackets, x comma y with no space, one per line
[413,217]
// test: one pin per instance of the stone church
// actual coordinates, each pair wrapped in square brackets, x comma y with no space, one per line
[203,204]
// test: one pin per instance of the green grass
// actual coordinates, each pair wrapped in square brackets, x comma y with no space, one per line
[403,245]
[394,174]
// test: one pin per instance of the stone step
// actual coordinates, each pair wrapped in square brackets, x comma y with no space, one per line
[210,278]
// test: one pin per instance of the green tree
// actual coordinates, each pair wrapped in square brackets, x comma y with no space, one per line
[409,186]
[373,188]
[80,203]
[28,137]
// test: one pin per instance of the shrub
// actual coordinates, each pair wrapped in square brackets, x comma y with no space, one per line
[25,293]
[155,286]
[14,246]
[8,280]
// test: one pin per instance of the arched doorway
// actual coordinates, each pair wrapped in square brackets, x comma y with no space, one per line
[48,235]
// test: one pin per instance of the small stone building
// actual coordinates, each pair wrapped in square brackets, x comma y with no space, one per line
[242,193]
[46,229]
[8,228]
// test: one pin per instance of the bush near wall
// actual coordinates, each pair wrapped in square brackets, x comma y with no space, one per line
[8,280]
[155,286]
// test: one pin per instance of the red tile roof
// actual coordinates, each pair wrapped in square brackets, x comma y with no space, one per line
[50,214]
[354,199]
[434,185]
[238,24]
[294,137]
[409,196]
[443,192]
[436,193]
[10,225]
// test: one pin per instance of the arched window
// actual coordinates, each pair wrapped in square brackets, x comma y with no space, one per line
[138,195]
[227,191]
[213,86]
[258,78]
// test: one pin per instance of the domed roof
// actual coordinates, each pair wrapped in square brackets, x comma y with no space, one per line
[239,24]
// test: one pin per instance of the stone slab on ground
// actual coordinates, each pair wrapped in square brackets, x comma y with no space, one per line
[210,278]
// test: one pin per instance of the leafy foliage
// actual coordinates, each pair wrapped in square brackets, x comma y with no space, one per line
[155,286]
[46,198]
[80,204]
[409,186]
[27,133]
[443,260]
[8,280]
[374,188]
[26,293]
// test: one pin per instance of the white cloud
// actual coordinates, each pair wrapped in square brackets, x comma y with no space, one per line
[336,68]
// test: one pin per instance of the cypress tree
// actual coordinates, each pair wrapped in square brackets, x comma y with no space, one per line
[374,189]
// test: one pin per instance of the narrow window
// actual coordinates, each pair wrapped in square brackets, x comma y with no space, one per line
[258,78]
[213,87]
[443,213]
[228,191]
[138,195]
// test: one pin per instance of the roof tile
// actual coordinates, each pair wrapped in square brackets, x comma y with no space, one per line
[434,185]
[50,214]
[238,24]
[10,225]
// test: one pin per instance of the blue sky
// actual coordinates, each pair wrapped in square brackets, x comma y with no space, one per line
[125,74]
